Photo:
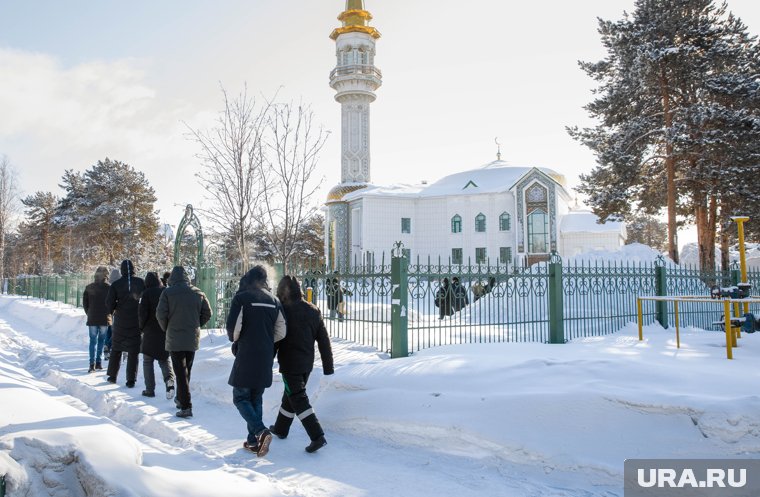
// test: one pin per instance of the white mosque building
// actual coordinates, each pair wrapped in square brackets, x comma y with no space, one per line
[494,214]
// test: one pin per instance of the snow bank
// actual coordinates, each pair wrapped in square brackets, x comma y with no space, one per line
[632,253]
[690,255]
[507,419]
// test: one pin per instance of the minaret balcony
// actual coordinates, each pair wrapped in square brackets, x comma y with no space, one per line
[366,70]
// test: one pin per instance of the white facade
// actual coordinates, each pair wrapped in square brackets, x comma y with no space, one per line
[483,215]
[497,213]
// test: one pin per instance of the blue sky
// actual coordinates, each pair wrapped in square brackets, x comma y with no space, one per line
[82,80]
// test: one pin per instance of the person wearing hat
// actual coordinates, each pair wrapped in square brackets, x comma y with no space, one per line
[98,317]
[122,301]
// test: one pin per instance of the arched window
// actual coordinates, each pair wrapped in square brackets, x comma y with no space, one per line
[480,223]
[538,232]
[456,224]
[505,222]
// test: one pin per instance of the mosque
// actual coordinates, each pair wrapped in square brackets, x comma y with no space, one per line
[493,214]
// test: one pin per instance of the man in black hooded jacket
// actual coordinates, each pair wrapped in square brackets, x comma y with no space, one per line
[296,357]
[122,301]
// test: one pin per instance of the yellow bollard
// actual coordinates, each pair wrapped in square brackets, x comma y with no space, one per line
[727,326]
[309,294]
[737,315]
[678,334]
[641,318]
[740,220]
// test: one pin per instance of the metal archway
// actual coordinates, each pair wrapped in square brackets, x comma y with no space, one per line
[189,219]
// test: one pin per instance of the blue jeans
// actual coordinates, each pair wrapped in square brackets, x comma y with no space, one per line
[250,405]
[97,337]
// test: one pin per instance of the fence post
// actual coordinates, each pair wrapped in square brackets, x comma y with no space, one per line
[2,485]
[399,303]
[556,301]
[661,288]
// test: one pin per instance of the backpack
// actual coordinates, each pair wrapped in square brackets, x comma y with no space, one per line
[750,325]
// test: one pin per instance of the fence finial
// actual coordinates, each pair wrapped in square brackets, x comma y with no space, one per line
[398,249]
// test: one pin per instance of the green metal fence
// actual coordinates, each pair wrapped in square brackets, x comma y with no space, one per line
[401,307]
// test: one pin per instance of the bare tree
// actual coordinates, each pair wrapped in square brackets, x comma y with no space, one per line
[8,204]
[232,155]
[288,179]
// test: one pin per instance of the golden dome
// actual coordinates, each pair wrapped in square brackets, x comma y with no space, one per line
[355,19]
[337,192]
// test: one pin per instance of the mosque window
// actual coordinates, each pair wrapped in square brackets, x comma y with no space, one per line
[456,256]
[480,255]
[480,223]
[456,224]
[505,222]
[538,232]
[505,255]
[406,225]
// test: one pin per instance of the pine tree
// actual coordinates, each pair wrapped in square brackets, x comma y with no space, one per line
[677,106]
[111,207]
[40,228]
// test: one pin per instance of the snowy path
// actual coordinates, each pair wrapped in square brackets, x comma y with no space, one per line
[441,423]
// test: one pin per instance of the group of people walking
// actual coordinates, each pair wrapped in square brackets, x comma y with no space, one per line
[162,317]
[260,326]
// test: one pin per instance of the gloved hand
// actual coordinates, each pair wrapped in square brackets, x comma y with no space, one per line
[234,348]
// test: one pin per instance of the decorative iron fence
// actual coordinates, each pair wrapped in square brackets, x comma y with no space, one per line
[440,304]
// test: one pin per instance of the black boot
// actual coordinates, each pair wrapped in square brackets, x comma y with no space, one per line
[315,445]
[92,368]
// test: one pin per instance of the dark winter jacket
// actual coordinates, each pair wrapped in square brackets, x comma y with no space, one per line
[444,299]
[459,296]
[334,293]
[255,323]
[94,299]
[153,337]
[305,326]
[122,300]
[182,310]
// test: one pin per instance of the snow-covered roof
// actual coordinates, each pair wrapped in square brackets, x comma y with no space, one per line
[583,221]
[494,177]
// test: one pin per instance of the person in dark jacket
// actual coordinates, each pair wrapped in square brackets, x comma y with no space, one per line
[336,294]
[122,300]
[254,324]
[459,299]
[98,317]
[115,275]
[182,310]
[296,357]
[154,339]
[443,299]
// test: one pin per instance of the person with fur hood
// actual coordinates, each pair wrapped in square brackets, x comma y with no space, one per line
[154,339]
[296,357]
[98,317]
[122,301]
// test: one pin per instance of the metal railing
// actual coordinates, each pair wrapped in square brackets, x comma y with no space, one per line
[548,302]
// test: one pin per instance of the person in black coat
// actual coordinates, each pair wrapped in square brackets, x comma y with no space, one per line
[296,357]
[255,322]
[98,317]
[459,300]
[153,338]
[443,299]
[122,301]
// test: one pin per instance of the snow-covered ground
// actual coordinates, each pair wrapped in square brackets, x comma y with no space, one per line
[515,419]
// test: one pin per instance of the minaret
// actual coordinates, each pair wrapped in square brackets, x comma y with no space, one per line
[355,79]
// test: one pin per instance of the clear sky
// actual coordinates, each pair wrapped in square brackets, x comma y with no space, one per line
[81,80]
